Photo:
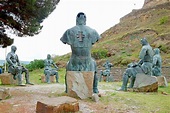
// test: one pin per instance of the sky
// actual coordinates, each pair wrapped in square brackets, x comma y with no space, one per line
[101,15]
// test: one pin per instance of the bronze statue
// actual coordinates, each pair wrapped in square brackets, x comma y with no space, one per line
[15,68]
[143,66]
[48,70]
[106,72]
[157,63]
[81,38]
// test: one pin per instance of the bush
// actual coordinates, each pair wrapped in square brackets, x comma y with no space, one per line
[163,20]
[99,53]
[36,64]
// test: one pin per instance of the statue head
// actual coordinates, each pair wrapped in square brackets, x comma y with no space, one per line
[156,51]
[13,48]
[144,41]
[48,56]
[81,19]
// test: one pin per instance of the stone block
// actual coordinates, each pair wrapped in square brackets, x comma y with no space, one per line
[4,93]
[7,79]
[62,104]
[145,83]
[43,80]
[162,81]
[80,84]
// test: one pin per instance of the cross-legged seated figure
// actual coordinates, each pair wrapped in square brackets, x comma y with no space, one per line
[49,70]
[15,68]
[143,66]
[157,63]
[106,72]
[81,38]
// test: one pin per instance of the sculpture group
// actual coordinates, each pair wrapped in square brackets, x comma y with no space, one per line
[81,38]
[150,64]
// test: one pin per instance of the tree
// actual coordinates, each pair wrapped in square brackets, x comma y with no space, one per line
[23,17]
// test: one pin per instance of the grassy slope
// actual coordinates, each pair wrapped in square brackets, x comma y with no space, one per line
[122,41]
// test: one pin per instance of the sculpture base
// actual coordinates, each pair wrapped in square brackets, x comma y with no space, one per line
[7,79]
[80,84]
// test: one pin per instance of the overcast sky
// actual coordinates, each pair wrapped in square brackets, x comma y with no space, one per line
[101,15]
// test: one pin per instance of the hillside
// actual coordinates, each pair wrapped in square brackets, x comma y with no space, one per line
[122,41]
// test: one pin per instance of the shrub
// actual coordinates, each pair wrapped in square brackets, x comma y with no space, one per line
[99,53]
[36,64]
[163,20]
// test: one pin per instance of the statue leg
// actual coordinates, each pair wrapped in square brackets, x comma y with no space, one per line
[66,82]
[101,74]
[19,75]
[48,76]
[132,81]
[95,83]
[125,82]
[56,77]
[24,70]
[107,76]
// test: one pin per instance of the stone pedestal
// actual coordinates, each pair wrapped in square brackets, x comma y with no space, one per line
[62,104]
[145,83]
[43,80]
[80,84]
[7,79]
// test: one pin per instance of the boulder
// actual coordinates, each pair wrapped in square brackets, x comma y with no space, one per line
[80,84]
[7,79]
[4,93]
[145,83]
[63,104]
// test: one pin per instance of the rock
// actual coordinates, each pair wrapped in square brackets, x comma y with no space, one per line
[62,104]
[145,83]
[95,97]
[52,79]
[4,93]
[7,79]
[80,84]
[162,81]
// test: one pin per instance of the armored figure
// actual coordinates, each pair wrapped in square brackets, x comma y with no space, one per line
[15,68]
[143,66]
[48,70]
[81,38]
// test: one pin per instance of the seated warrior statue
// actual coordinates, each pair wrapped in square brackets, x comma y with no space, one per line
[106,72]
[48,70]
[81,38]
[157,63]
[143,66]
[15,68]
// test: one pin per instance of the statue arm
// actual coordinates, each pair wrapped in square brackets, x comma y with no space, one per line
[8,59]
[66,37]
[95,37]
[18,62]
[142,53]
[154,61]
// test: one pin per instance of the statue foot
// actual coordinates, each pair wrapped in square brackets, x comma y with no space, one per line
[122,89]
[21,85]
[29,83]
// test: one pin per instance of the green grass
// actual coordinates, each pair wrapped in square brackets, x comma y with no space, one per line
[153,102]
[35,76]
